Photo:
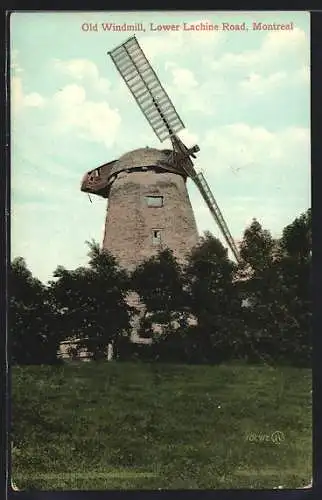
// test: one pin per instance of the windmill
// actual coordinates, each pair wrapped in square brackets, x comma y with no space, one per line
[148,202]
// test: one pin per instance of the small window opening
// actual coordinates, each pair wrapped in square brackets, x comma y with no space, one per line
[156,237]
[154,201]
[96,173]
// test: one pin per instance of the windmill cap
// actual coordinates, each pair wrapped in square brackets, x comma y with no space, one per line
[99,180]
[146,157]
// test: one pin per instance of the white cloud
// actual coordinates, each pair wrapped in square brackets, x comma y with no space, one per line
[196,96]
[259,84]
[91,120]
[155,45]
[68,110]
[240,158]
[77,68]
[281,60]
[303,75]
[257,146]
[184,79]
[70,96]
[19,99]
[258,71]
[83,70]
[34,100]
[188,138]
[288,41]
[277,46]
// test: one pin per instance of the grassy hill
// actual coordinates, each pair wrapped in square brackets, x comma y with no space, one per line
[132,425]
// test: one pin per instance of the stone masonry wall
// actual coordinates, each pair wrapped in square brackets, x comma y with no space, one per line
[130,222]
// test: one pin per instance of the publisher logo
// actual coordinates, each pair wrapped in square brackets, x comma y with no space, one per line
[276,437]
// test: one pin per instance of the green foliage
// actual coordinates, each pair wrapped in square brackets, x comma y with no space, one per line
[198,308]
[278,325]
[297,238]
[256,248]
[93,301]
[159,283]
[33,328]
[213,301]
[209,276]
[275,325]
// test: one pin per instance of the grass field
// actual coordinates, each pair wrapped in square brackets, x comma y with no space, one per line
[140,426]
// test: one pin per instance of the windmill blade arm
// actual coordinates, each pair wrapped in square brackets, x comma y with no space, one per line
[146,89]
[209,198]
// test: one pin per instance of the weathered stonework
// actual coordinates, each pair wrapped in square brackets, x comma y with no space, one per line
[130,222]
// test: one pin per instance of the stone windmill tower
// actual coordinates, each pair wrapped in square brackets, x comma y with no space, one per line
[148,206]
[148,202]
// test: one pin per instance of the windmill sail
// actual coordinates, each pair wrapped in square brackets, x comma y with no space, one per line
[215,210]
[161,114]
[146,89]
[207,195]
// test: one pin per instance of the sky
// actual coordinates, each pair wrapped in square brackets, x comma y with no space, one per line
[243,95]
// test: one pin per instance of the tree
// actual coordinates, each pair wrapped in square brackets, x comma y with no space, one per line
[295,270]
[158,281]
[256,248]
[213,298]
[277,324]
[32,321]
[262,321]
[296,241]
[92,301]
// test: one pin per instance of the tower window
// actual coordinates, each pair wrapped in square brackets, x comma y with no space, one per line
[154,201]
[156,237]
